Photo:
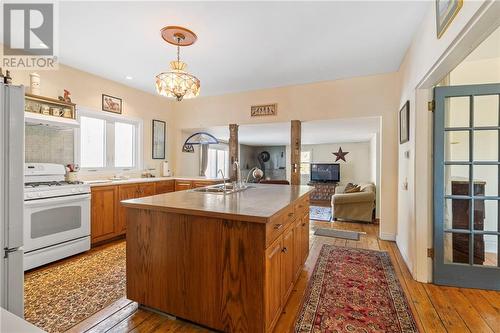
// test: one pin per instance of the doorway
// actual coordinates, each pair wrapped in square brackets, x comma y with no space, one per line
[466,186]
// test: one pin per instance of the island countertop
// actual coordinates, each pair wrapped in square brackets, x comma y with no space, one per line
[256,204]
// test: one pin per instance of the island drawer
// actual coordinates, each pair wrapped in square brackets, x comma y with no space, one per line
[278,224]
[302,206]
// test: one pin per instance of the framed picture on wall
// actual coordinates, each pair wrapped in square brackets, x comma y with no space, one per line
[404,123]
[111,104]
[446,10]
[159,131]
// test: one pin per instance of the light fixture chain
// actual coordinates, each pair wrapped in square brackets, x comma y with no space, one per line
[178,49]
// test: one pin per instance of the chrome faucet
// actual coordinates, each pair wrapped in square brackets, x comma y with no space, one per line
[223,178]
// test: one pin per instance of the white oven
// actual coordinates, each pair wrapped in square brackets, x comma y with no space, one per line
[55,220]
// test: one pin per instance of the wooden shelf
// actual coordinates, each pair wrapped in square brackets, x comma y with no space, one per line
[34,104]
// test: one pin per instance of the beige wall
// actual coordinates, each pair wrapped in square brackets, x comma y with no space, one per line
[426,62]
[369,96]
[86,90]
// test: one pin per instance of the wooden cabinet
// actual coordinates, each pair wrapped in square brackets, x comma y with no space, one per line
[146,189]
[131,191]
[165,186]
[289,234]
[273,283]
[182,185]
[202,183]
[107,214]
[287,262]
[250,271]
[297,249]
[304,238]
[128,191]
[103,216]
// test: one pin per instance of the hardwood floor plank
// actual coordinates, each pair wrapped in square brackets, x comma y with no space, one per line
[436,308]
[150,325]
[450,318]
[490,314]
[493,298]
[464,308]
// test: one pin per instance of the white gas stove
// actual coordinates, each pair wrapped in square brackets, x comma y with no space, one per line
[56,215]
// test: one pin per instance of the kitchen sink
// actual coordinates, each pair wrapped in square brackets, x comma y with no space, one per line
[219,188]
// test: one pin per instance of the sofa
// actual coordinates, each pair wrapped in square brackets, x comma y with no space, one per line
[358,206]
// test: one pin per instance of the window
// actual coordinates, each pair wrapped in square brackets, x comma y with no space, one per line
[305,162]
[108,141]
[218,158]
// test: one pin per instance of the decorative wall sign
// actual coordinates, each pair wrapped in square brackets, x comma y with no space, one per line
[264,110]
[404,123]
[340,155]
[446,10]
[111,104]
[159,130]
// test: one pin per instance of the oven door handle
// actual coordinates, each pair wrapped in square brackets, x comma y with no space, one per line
[64,199]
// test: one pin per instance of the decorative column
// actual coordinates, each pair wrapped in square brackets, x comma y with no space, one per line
[295,146]
[233,150]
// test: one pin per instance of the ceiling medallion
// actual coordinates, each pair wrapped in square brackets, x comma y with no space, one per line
[177,83]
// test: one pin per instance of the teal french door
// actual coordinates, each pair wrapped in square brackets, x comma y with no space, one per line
[467,186]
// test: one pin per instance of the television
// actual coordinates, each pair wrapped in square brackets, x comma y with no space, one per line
[325,172]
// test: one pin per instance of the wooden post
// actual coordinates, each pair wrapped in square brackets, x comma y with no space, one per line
[295,146]
[233,150]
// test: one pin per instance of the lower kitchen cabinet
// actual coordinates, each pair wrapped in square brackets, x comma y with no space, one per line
[108,216]
[304,238]
[182,185]
[164,186]
[273,282]
[131,191]
[103,215]
[284,259]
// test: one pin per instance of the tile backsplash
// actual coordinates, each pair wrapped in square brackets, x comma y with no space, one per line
[49,145]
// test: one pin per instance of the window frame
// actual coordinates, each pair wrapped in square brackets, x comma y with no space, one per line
[222,147]
[109,136]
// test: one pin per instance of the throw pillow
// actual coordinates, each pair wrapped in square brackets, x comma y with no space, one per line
[353,189]
[349,187]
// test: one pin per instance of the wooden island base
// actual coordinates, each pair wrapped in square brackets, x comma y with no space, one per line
[227,274]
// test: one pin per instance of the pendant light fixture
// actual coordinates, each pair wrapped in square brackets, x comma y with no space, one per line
[177,83]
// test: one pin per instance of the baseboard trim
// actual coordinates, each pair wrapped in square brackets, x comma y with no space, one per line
[387,236]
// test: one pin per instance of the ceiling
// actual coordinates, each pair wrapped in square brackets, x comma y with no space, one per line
[242,45]
[313,132]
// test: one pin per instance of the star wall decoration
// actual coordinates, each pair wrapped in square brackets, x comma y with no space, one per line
[340,155]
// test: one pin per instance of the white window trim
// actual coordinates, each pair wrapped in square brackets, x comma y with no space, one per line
[84,111]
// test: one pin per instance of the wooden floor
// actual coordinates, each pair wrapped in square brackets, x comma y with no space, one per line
[435,308]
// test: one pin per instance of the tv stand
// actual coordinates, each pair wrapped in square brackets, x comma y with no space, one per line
[323,191]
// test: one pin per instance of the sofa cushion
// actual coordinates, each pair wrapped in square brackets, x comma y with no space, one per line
[349,187]
[354,189]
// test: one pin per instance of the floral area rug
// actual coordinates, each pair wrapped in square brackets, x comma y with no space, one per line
[63,294]
[354,290]
[319,213]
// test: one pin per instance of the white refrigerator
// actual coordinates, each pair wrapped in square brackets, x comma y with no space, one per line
[12,198]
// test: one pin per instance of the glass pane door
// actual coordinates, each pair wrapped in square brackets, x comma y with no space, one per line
[466,186]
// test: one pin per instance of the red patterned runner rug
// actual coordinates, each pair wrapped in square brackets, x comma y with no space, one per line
[354,290]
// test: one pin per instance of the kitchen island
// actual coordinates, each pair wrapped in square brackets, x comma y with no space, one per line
[225,261]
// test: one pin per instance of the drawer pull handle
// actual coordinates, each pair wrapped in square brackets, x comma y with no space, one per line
[285,250]
[290,214]
[278,226]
